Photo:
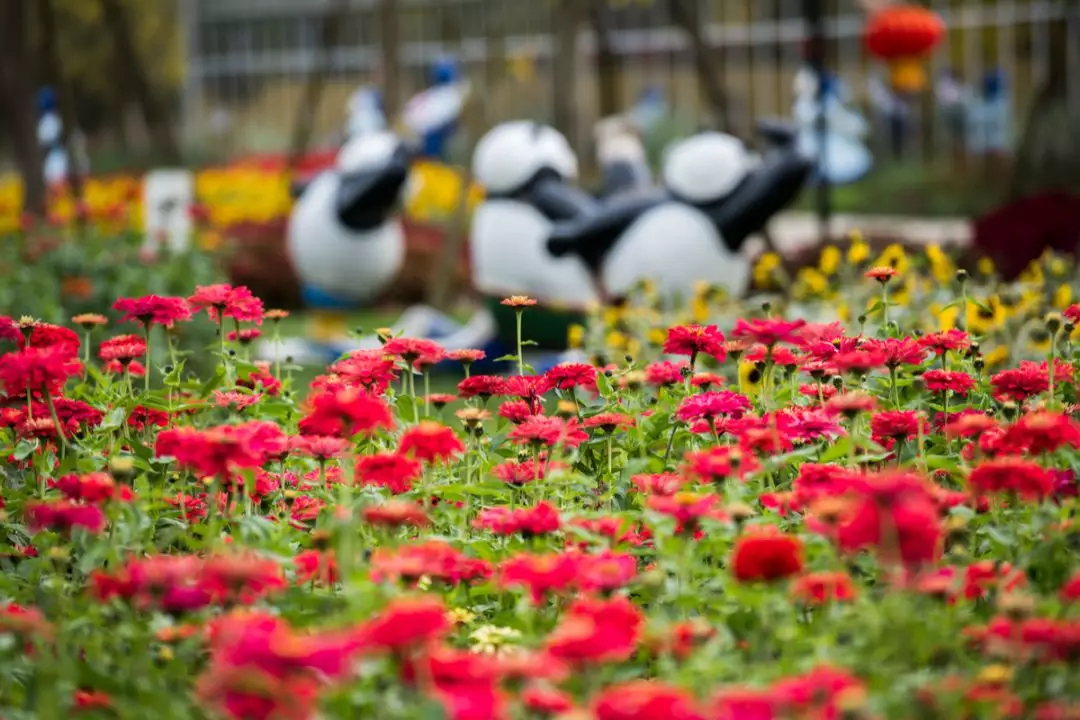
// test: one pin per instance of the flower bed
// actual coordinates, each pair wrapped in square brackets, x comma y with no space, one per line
[793,517]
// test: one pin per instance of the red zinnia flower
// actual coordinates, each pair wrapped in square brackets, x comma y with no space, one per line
[1007,475]
[745,704]
[389,470]
[94,488]
[881,273]
[540,430]
[661,374]
[346,412]
[430,442]
[396,513]
[858,361]
[123,348]
[153,310]
[1041,432]
[688,509]
[1020,383]
[466,356]
[541,519]
[823,587]
[227,301]
[44,335]
[768,331]
[415,351]
[596,631]
[609,422]
[541,574]
[316,566]
[708,406]
[567,376]
[64,516]
[850,404]
[482,386]
[524,472]
[894,425]
[518,411]
[898,351]
[245,336]
[945,380]
[946,340]
[406,623]
[37,370]
[694,340]
[766,554]
[645,700]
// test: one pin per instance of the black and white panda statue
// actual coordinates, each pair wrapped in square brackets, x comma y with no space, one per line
[715,195]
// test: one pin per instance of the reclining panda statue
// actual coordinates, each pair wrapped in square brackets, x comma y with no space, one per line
[715,195]
[345,239]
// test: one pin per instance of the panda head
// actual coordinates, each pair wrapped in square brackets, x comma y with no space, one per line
[372,170]
[706,167]
[511,155]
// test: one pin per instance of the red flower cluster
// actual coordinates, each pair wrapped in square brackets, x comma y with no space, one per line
[222,301]
[695,340]
[223,450]
[541,519]
[153,310]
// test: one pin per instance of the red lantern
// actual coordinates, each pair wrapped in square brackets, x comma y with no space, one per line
[903,36]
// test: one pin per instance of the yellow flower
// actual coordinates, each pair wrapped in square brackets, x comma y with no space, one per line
[894,257]
[811,282]
[491,639]
[765,269]
[986,316]
[657,336]
[946,316]
[1039,340]
[941,266]
[1063,296]
[576,336]
[1033,274]
[996,357]
[699,309]
[829,261]
[616,340]
[901,294]
[750,378]
[1057,265]
[460,616]
[859,252]
[985,266]
[995,675]
[843,312]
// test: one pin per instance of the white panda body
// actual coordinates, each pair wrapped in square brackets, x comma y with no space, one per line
[508,254]
[328,256]
[674,245]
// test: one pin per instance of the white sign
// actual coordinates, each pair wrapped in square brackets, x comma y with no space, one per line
[167,199]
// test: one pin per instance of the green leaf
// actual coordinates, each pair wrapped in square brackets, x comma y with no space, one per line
[24,449]
[506,358]
[529,342]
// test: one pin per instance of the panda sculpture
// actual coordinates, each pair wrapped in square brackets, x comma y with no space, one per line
[344,238]
[620,154]
[715,195]
[527,171]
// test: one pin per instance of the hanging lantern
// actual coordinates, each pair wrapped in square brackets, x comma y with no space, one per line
[903,36]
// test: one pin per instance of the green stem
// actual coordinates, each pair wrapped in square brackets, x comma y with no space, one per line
[427,392]
[56,421]
[520,358]
[149,364]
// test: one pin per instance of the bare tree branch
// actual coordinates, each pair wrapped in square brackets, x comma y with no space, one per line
[17,97]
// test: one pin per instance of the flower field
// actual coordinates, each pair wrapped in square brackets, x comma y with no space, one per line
[852,496]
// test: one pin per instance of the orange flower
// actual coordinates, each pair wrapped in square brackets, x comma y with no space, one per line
[518,301]
[881,273]
[89,320]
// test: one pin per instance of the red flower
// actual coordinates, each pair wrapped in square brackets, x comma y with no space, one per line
[240,578]
[90,700]
[433,559]
[316,566]
[823,587]
[482,386]
[37,370]
[396,513]
[694,340]
[609,422]
[542,519]
[781,356]
[527,387]
[1007,475]
[122,348]
[688,509]
[605,572]
[645,700]
[430,442]
[596,631]
[980,577]
[814,694]
[766,554]
[768,331]
[708,406]
[235,400]
[664,484]
[541,574]
[220,451]
[946,340]
[346,412]
[850,404]
[897,351]
[662,374]
[858,361]
[970,424]
[142,417]
[415,351]
[44,335]
[719,463]
[1020,383]
[95,488]
[540,430]
[945,380]
[546,701]
[405,624]
[244,336]
[704,381]
[1070,591]
[64,516]
[320,447]
[567,376]
[134,368]
[389,470]
[518,411]
[261,379]
[894,425]
[1042,432]
[222,301]
[744,704]
[153,310]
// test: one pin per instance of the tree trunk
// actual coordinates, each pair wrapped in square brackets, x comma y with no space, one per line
[132,78]
[608,63]
[54,74]
[389,47]
[708,63]
[307,111]
[565,68]
[17,97]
